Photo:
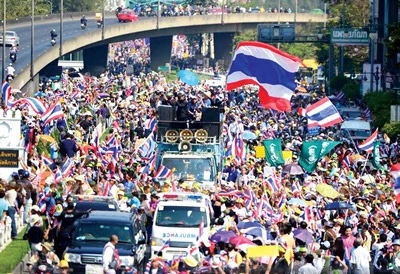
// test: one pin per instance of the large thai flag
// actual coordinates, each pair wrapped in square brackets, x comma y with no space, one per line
[163,172]
[346,162]
[34,104]
[395,171]
[52,113]
[322,113]
[368,144]
[6,93]
[260,64]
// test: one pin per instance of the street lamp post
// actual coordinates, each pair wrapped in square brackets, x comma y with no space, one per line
[32,37]
[3,72]
[372,37]
[103,13]
[377,78]
[61,25]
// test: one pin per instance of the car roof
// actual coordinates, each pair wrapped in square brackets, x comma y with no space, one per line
[107,216]
[83,205]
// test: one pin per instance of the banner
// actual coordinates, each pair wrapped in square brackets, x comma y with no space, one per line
[273,152]
[327,146]
[376,156]
[310,155]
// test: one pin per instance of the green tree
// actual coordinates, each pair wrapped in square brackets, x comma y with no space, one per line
[392,129]
[379,103]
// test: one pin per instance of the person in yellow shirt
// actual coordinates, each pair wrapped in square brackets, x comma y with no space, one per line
[289,240]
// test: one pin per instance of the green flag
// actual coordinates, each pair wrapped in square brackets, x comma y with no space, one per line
[310,155]
[327,146]
[376,156]
[273,152]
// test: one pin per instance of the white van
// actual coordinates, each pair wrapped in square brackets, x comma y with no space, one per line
[356,129]
[177,220]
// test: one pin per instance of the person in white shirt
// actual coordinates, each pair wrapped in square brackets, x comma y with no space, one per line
[108,254]
[308,268]
[10,70]
[360,258]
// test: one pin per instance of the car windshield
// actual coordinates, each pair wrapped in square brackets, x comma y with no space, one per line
[100,232]
[179,216]
[198,169]
[95,206]
[10,34]
[126,12]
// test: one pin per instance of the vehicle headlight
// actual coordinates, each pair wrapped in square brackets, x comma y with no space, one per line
[73,258]
[157,241]
[127,260]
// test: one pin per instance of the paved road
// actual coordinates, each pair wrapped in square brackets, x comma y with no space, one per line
[71,28]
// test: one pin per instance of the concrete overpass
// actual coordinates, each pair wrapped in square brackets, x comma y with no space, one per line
[97,42]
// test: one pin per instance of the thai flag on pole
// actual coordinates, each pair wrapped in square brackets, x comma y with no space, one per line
[146,149]
[239,149]
[346,162]
[271,184]
[395,171]
[52,113]
[47,160]
[272,70]
[150,124]
[322,113]
[165,245]
[151,165]
[57,177]
[163,172]
[67,167]
[6,93]
[36,105]
[368,145]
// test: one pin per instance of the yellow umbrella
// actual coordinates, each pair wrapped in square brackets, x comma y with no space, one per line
[327,191]
[47,138]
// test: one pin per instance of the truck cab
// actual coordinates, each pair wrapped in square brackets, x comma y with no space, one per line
[176,223]
[192,149]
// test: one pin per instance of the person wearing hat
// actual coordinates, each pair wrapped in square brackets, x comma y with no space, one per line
[155,265]
[64,267]
[44,253]
[280,264]
[35,234]
[121,201]
[396,256]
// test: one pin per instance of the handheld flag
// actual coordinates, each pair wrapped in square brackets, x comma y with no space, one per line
[368,144]
[322,113]
[271,69]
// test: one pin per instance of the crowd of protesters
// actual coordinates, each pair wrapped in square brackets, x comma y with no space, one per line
[112,112]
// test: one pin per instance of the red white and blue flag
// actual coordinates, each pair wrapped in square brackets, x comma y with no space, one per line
[165,245]
[67,167]
[368,145]
[148,147]
[346,162]
[47,160]
[150,124]
[34,104]
[395,171]
[6,93]
[271,69]
[271,184]
[52,113]
[322,113]
[163,172]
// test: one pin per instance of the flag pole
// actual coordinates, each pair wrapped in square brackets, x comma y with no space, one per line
[355,146]
[365,164]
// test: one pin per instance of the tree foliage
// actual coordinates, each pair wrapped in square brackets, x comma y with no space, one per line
[392,129]
[379,103]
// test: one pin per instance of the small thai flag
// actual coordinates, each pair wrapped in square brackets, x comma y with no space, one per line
[165,245]
[47,160]
[339,96]
[163,172]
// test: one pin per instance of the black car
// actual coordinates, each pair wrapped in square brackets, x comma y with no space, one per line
[93,231]
[94,203]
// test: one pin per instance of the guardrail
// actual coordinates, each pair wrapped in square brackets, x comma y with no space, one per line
[5,229]
[56,16]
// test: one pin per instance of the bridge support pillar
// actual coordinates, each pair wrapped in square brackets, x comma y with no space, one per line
[31,86]
[223,43]
[160,51]
[95,59]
